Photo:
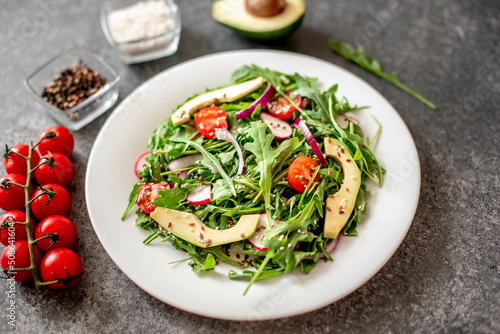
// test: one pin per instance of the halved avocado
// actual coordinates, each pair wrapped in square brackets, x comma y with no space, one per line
[235,15]
[190,228]
[339,207]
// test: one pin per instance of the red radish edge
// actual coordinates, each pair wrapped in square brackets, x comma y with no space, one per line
[279,128]
[302,126]
[182,175]
[223,134]
[200,195]
[262,228]
[141,162]
[263,100]
[341,120]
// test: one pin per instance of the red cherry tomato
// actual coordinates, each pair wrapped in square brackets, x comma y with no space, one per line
[300,173]
[62,141]
[12,196]
[210,118]
[148,193]
[15,164]
[61,264]
[65,229]
[60,172]
[11,231]
[282,108]
[17,255]
[60,204]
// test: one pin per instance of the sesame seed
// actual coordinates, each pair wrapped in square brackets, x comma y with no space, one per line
[202,228]
[265,238]
[271,123]
[217,228]
[263,227]
[191,229]
[346,189]
[347,160]
[282,248]
[191,224]
[246,264]
[281,237]
[353,177]
[159,232]
[201,236]
[169,224]
[202,126]
[324,119]
[304,232]
[328,208]
[289,245]
[288,202]
[341,150]
[299,230]
[329,139]
[359,207]
[331,196]
[208,242]
[329,173]
[338,154]
[262,238]
[242,235]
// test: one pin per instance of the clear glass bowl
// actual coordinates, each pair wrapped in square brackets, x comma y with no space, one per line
[141,50]
[92,107]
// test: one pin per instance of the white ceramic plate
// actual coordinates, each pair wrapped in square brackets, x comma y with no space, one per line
[124,137]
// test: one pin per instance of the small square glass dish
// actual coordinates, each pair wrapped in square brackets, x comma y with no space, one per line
[75,88]
[142,30]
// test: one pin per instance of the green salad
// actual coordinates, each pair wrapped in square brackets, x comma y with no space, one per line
[265,174]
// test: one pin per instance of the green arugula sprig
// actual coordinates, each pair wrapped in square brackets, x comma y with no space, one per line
[372,65]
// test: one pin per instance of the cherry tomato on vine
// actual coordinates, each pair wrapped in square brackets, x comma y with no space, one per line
[61,264]
[210,118]
[17,255]
[15,164]
[282,108]
[300,173]
[12,196]
[63,141]
[11,231]
[59,204]
[60,171]
[65,229]
[148,193]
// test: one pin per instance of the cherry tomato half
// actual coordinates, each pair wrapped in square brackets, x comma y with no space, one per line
[17,255]
[61,172]
[60,204]
[300,173]
[15,164]
[12,196]
[63,141]
[282,108]
[11,231]
[210,118]
[61,264]
[65,229]
[148,193]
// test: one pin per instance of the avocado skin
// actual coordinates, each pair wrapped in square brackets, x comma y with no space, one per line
[268,35]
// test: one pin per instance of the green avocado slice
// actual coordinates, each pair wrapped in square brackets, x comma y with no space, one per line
[234,14]
[190,228]
[340,205]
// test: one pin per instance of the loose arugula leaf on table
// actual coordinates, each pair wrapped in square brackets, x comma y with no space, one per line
[372,65]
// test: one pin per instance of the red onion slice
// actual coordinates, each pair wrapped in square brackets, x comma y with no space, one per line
[302,126]
[329,248]
[263,100]
[223,134]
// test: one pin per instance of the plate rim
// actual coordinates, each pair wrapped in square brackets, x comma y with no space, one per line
[187,63]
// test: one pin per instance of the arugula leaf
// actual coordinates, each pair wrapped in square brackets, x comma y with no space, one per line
[265,156]
[372,65]
[210,160]
[170,198]
[132,198]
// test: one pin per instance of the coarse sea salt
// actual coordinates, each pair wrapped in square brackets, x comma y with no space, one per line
[144,20]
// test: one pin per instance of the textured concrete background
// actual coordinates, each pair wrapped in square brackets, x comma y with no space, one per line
[445,277]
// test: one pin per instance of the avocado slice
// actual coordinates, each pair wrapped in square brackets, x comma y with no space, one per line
[226,94]
[340,205]
[235,15]
[190,228]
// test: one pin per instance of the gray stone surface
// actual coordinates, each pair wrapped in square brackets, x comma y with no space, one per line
[445,277]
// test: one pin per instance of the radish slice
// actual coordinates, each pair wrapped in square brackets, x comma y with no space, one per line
[182,175]
[262,228]
[279,128]
[185,161]
[302,126]
[263,100]
[223,134]
[329,248]
[342,122]
[200,195]
[140,163]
